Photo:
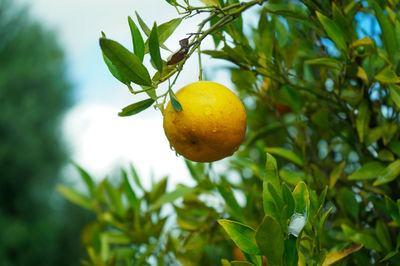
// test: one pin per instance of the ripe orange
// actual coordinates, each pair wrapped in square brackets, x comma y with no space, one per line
[212,124]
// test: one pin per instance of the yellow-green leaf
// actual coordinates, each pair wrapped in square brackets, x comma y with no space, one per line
[390,173]
[369,170]
[242,235]
[285,153]
[335,256]
[333,30]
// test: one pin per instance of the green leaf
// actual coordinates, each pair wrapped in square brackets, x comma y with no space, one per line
[302,204]
[136,107]
[128,64]
[387,75]
[143,25]
[395,94]
[232,205]
[348,202]
[114,71]
[154,48]
[174,101]
[158,190]
[388,34]
[172,196]
[291,177]
[75,197]
[166,29]
[361,238]
[388,256]
[211,3]
[394,146]
[383,235]
[269,237]
[369,170]
[241,263]
[325,61]
[385,155]
[130,194]
[270,177]
[335,174]
[225,262]
[390,173]
[137,40]
[285,153]
[115,199]
[291,255]
[242,235]
[392,209]
[164,32]
[87,179]
[136,177]
[288,200]
[334,32]
[362,121]
[335,256]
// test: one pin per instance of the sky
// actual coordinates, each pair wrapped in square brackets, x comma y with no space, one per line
[97,138]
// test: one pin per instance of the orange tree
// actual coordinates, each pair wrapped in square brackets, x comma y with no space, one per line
[319,165]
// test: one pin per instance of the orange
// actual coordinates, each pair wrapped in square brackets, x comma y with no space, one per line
[211,125]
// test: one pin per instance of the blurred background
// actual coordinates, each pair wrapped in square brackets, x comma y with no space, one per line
[59,104]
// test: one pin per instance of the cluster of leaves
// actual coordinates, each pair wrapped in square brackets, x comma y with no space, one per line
[322,94]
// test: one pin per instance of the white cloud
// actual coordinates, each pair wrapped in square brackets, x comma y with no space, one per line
[101,141]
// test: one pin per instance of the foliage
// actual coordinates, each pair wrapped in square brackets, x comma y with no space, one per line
[34,94]
[322,95]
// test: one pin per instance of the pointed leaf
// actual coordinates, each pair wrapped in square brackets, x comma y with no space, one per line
[130,194]
[136,107]
[75,197]
[269,237]
[115,199]
[383,235]
[172,196]
[369,170]
[114,70]
[390,173]
[232,205]
[362,121]
[136,177]
[174,101]
[270,177]
[326,61]
[368,241]
[392,209]
[288,200]
[143,25]
[395,94]
[302,204]
[334,32]
[87,179]
[137,39]
[335,174]
[285,153]
[348,202]
[336,256]
[387,75]
[128,64]
[211,3]
[242,235]
[154,48]
[292,177]
[166,29]
[388,34]
[291,255]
